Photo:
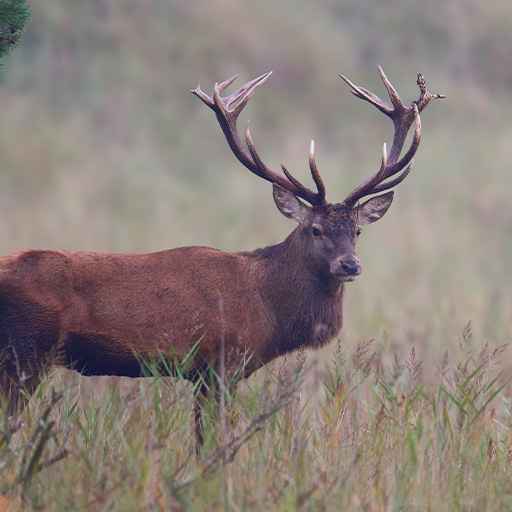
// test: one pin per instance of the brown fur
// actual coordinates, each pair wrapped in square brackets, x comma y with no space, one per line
[100,313]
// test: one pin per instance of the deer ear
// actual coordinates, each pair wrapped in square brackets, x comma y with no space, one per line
[374,208]
[289,205]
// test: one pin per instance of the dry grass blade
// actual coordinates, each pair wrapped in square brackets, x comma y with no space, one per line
[31,462]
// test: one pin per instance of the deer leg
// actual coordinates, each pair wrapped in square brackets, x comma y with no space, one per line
[29,334]
[208,400]
[9,393]
[17,383]
[200,396]
[206,403]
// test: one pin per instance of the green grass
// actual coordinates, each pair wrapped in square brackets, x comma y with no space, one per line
[360,432]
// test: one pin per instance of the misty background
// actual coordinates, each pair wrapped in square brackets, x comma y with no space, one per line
[102,146]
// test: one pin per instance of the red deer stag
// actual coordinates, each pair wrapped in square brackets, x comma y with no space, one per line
[101,313]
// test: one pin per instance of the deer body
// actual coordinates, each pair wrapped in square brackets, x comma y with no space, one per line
[106,311]
[100,314]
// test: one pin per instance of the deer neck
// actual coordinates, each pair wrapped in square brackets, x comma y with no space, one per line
[306,308]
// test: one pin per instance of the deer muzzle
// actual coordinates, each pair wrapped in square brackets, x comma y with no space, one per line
[347,268]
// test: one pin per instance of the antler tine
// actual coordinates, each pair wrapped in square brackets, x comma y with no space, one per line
[207,100]
[290,176]
[226,83]
[315,173]
[364,94]
[227,110]
[228,103]
[370,183]
[403,116]
[296,186]
[392,92]
[260,166]
[239,99]
[409,155]
[426,96]
[394,182]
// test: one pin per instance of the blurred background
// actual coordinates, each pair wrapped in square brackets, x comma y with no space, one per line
[102,147]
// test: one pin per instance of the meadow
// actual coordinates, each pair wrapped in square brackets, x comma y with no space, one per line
[103,148]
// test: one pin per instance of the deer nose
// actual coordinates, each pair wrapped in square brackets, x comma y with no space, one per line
[348,266]
[351,267]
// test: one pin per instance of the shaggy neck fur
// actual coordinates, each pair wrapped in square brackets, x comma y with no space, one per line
[307,307]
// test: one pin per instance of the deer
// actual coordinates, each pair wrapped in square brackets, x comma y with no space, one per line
[104,313]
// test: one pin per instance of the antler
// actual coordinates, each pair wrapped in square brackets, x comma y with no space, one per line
[402,116]
[227,109]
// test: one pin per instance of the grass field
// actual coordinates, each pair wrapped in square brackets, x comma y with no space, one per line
[361,431]
[103,148]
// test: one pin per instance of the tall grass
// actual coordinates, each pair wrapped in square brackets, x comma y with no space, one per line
[363,432]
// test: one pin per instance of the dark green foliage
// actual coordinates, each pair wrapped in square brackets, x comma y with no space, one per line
[14,15]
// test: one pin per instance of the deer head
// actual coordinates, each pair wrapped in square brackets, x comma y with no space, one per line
[327,231]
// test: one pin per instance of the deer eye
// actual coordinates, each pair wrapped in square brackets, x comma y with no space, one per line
[317,231]
[358,231]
